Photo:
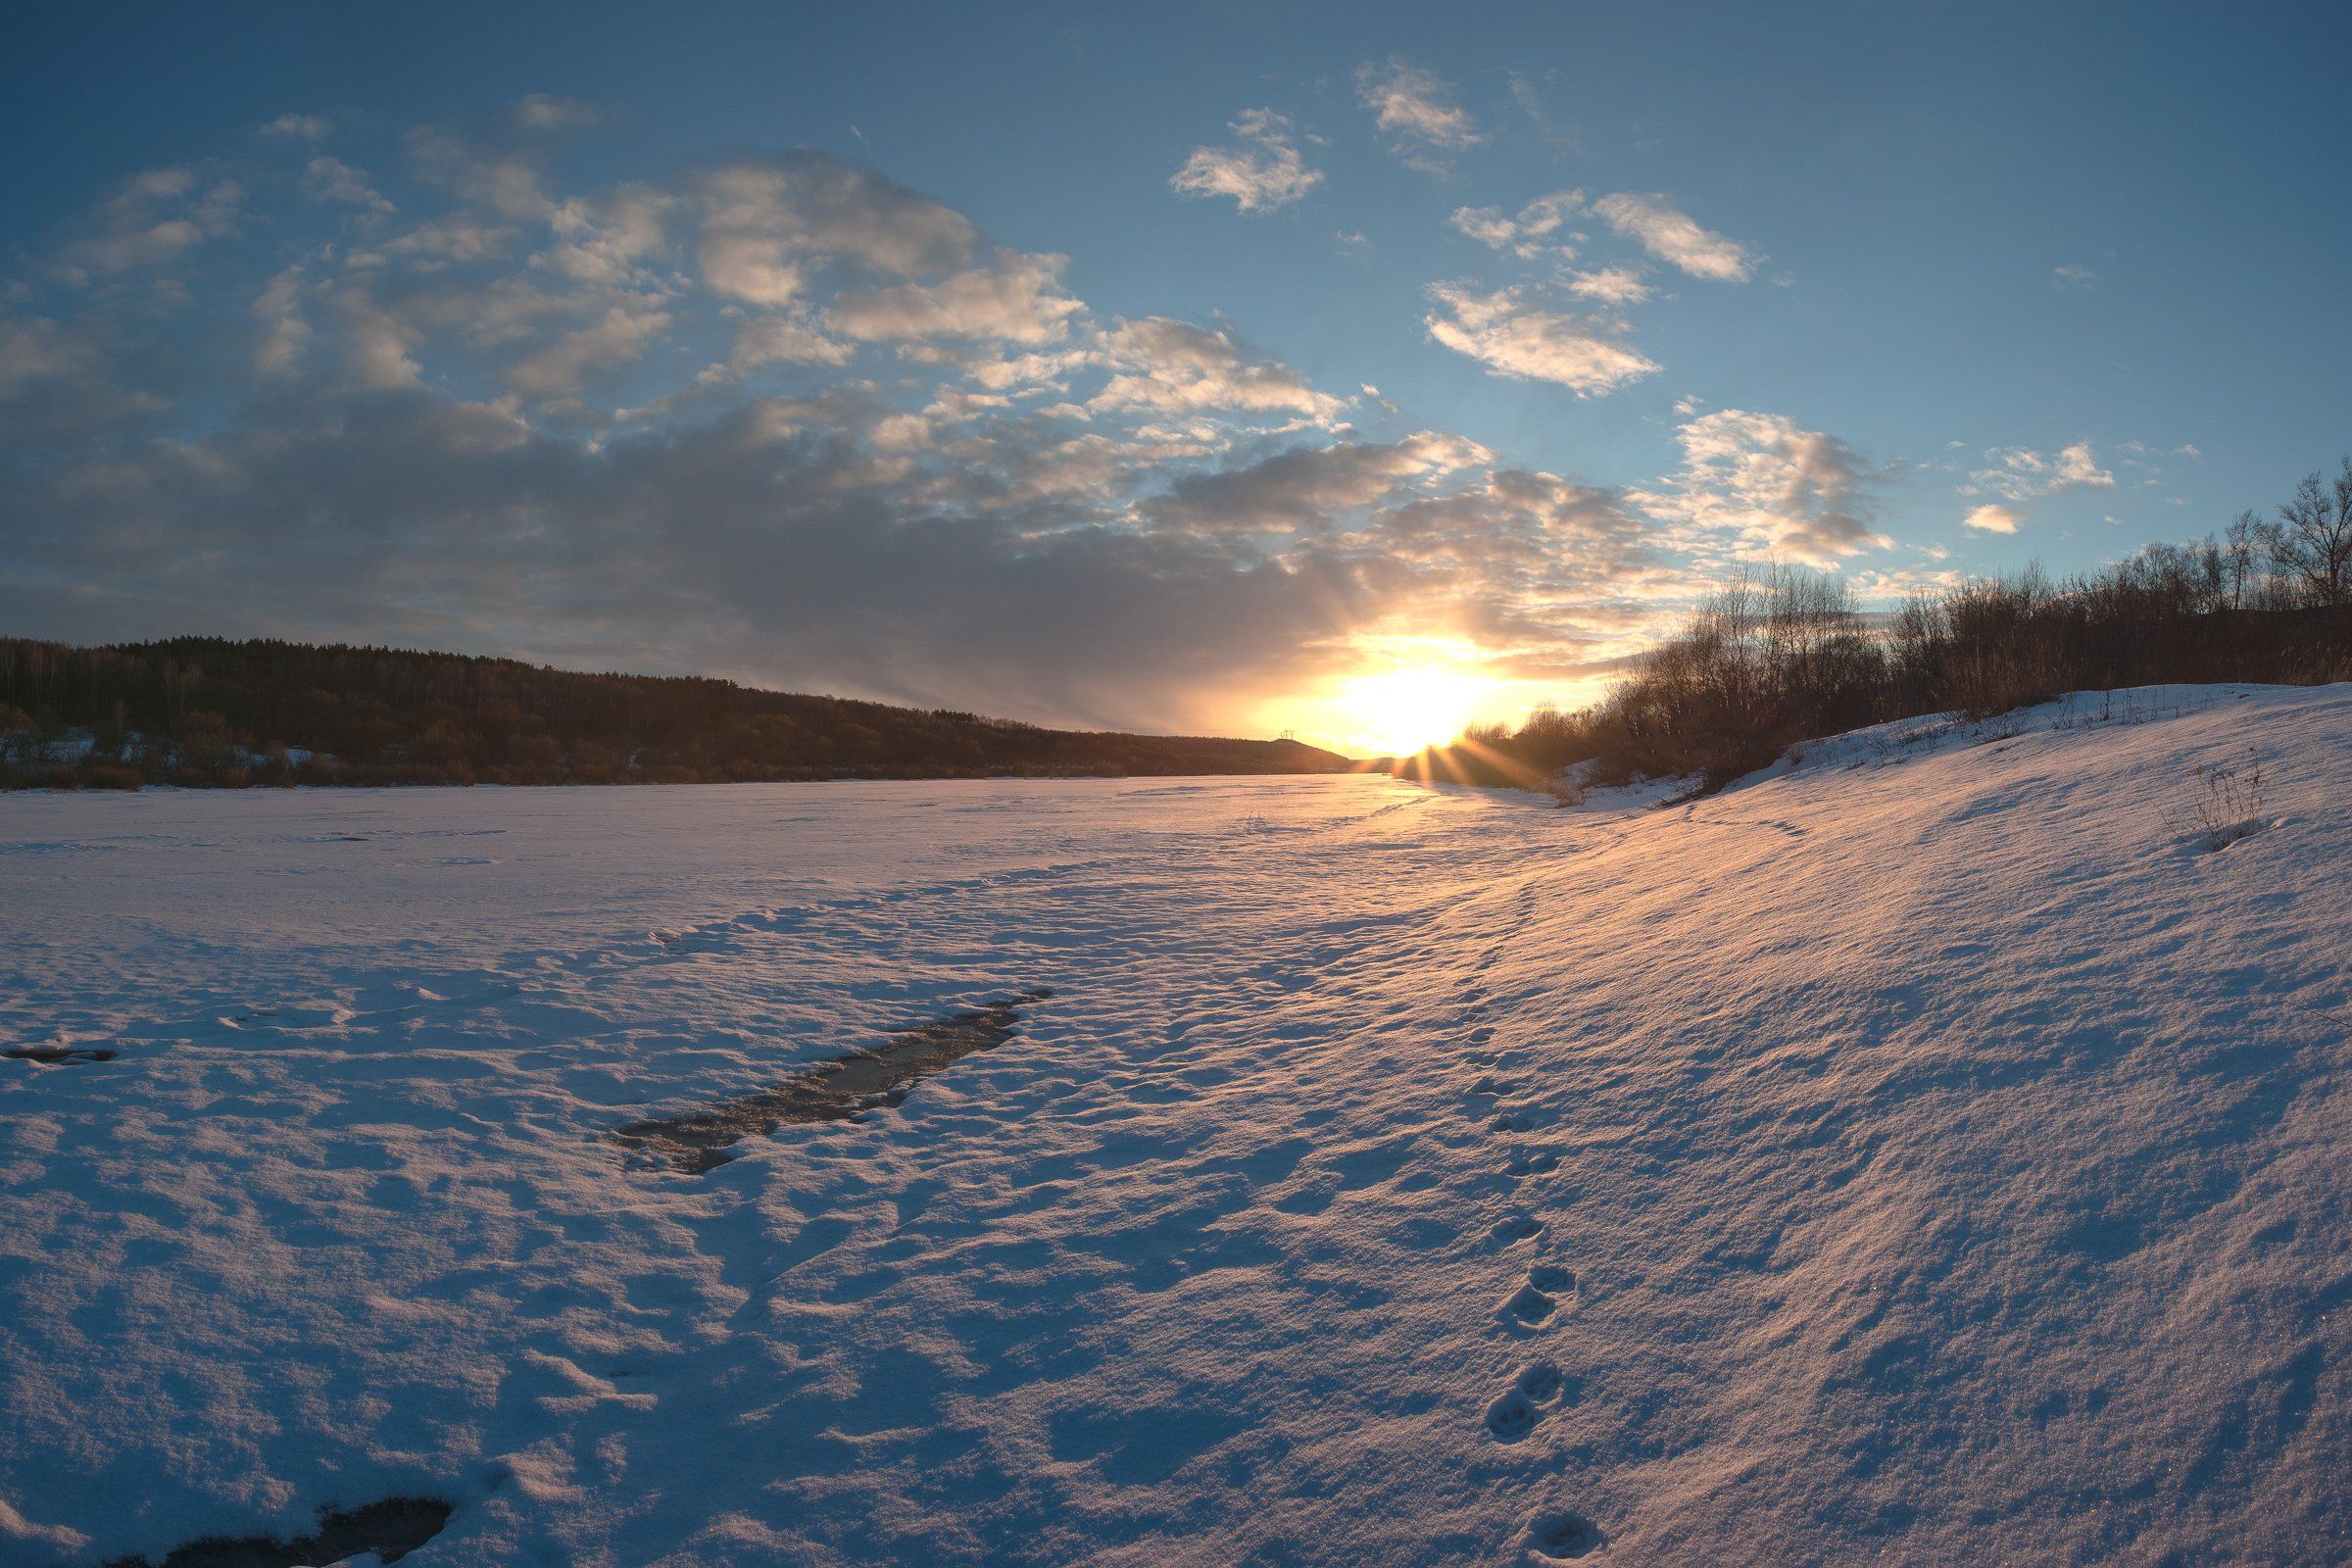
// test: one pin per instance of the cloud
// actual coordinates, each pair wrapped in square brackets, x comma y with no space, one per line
[1416,110]
[1514,337]
[150,219]
[1523,235]
[1307,487]
[1610,286]
[2021,474]
[785,340]
[646,425]
[1991,518]
[1176,367]
[1761,484]
[615,338]
[2070,276]
[1014,299]
[299,128]
[766,222]
[1264,173]
[330,179]
[1673,238]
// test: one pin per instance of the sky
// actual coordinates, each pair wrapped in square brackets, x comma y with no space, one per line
[1347,371]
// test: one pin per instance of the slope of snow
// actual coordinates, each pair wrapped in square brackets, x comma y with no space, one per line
[1931,1152]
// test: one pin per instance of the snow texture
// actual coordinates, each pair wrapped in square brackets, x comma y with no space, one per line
[1930,1151]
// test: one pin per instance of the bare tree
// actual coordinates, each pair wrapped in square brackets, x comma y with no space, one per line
[2312,540]
[2241,547]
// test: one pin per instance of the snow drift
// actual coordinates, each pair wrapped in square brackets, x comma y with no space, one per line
[1929,1152]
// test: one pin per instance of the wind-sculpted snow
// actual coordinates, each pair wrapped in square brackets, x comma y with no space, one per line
[1929,1152]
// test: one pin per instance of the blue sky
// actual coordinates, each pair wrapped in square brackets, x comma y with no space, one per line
[1238,367]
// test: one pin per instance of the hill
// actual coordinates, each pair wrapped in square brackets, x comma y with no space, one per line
[203,711]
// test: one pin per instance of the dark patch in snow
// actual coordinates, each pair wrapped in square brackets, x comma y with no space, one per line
[843,1089]
[1559,1535]
[1539,1389]
[54,1055]
[391,1529]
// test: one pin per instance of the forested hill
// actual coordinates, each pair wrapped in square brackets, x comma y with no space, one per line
[201,710]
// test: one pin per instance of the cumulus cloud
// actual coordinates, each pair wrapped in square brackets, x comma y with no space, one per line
[1176,367]
[1674,238]
[1526,235]
[840,439]
[1014,299]
[1305,487]
[1761,484]
[1610,286]
[330,179]
[1513,336]
[766,222]
[298,127]
[1417,111]
[150,219]
[2021,475]
[1265,172]
[785,340]
[621,334]
[1991,518]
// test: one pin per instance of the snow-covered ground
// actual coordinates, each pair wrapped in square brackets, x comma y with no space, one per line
[1931,1152]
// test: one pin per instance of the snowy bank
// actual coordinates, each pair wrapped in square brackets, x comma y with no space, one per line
[1929,1152]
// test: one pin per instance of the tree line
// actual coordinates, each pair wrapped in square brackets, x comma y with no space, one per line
[203,711]
[1785,656]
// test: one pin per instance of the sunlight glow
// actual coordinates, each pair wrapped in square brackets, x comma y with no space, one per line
[1402,711]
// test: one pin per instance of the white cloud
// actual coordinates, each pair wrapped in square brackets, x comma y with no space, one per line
[615,338]
[1991,518]
[1610,286]
[1416,109]
[2073,277]
[1514,337]
[1016,299]
[1264,173]
[1673,238]
[34,350]
[2020,474]
[1524,235]
[1176,367]
[298,127]
[1767,486]
[153,217]
[768,222]
[287,336]
[330,179]
[782,339]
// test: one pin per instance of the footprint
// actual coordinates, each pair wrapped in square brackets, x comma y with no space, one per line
[1559,1535]
[1534,1394]
[1516,1226]
[1517,1121]
[1534,1301]
[1538,1163]
[1511,1417]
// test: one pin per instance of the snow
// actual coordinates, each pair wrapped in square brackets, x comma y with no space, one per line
[1927,1152]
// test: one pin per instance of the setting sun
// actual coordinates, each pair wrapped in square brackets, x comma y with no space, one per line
[1402,711]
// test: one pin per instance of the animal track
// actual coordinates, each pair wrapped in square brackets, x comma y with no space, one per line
[1537,1392]
[1559,1535]
[1516,1226]
[1539,1298]
[1536,1162]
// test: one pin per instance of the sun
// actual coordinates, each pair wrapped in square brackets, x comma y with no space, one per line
[1402,711]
